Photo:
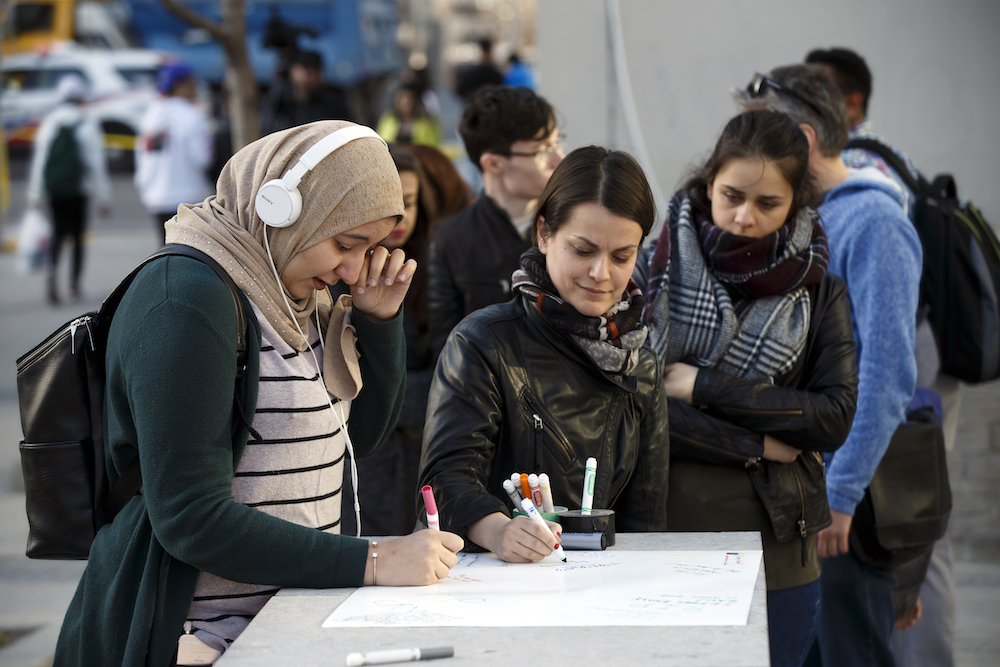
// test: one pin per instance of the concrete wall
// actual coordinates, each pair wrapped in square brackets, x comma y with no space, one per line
[935,65]
[936,69]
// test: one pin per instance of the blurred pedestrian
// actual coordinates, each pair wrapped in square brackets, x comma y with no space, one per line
[450,194]
[483,73]
[304,97]
[408,122]
[518,73]
[388,478]
[174,148]
[68,167]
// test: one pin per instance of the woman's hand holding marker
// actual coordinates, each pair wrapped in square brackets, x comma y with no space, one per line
[421,558]
[517,540]
[532,512]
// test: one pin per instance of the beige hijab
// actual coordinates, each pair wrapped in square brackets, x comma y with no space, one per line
[354,185]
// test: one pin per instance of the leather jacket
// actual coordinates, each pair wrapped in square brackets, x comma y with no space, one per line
[512,394]
[810,408]
[469,263]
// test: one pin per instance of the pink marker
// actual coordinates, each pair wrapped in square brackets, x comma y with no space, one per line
[432,508]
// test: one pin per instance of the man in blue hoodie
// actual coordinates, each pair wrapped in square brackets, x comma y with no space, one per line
[875,249]
[929,642]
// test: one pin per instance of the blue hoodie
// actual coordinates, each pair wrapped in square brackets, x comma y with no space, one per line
[876,250]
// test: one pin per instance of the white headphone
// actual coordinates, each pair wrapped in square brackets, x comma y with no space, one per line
[279,202]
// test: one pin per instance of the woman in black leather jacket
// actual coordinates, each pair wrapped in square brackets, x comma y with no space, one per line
[759,360]
[543,382]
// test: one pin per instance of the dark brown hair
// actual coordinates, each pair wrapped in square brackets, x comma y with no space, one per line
[596,175]
[415,301]
[497,116]
[762,135]
[447,192]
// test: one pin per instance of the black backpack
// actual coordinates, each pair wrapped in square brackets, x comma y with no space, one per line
[60,392]
[64,168]
[960,284]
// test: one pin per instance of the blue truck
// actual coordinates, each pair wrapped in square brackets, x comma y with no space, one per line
[357,38]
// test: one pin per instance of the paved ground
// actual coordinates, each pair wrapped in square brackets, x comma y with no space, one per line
[34,594]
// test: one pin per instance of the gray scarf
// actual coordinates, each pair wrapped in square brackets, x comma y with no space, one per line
[693,318]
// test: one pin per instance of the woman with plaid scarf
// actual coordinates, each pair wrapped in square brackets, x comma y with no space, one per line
[759,361]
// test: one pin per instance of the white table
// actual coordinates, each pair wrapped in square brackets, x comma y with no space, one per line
[288,630]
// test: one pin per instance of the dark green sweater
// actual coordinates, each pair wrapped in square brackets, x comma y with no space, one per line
[171,369]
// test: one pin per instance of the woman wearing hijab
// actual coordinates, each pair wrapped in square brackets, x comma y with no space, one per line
[221,523]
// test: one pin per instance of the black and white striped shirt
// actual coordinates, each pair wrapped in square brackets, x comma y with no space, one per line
[295,471]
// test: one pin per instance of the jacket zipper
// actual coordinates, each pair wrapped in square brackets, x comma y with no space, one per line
[538,441]
[748,463]
[802,521]
[631,471]
[536,416]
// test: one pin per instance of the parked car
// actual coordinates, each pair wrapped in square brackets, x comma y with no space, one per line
[121,84]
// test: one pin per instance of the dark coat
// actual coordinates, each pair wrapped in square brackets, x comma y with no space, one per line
[171,368]
[810,408]
[471,258]
[504,365]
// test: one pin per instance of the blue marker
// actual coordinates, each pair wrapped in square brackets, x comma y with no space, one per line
[529,509]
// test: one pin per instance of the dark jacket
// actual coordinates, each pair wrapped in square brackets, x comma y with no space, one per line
[470,260]
[504,365]
[170,373]
[810,408]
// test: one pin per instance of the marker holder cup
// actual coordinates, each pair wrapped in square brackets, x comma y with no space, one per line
[597,521]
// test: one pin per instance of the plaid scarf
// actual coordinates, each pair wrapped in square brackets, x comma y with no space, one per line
[612,341]
[737,304]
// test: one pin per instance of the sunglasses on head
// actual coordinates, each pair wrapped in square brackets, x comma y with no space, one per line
[761,83]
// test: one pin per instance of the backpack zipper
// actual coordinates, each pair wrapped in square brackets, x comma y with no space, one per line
[74,325]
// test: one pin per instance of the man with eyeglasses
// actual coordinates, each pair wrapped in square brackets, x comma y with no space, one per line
[510,134]
[877,252]
[931,620]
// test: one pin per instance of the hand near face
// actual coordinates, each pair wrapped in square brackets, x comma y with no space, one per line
[383,282]
[678,381]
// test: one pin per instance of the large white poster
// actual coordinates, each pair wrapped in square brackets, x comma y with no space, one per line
[594,588]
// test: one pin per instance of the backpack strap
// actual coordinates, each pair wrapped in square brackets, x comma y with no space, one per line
[917,185]
[130,481]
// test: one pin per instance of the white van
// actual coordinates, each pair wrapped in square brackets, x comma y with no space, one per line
[121,84]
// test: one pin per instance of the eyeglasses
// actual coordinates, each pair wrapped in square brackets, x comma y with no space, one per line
[544,153]
[761,84]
